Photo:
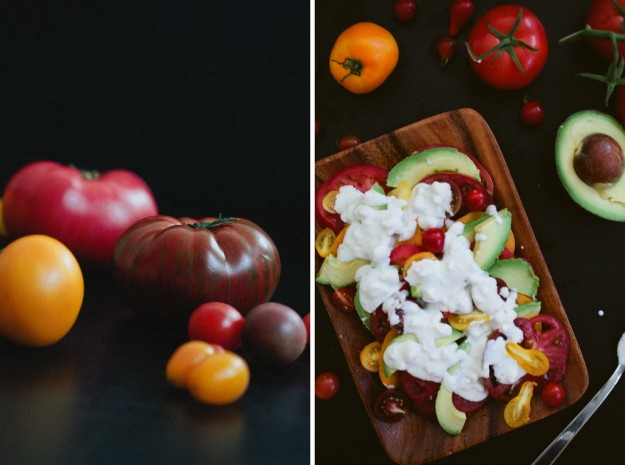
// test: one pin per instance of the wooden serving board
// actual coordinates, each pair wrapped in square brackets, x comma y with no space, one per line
[415,440]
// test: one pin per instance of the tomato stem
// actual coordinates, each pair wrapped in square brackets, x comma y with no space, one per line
[613,76]
[506,44]
[354,66]
[212,224]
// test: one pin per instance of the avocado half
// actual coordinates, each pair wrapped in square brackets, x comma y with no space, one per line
[605,200]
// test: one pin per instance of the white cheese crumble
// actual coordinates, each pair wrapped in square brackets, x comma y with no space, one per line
[453,283]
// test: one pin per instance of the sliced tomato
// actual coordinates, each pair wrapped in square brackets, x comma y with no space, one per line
[460,185]
[422,394]
[362,177]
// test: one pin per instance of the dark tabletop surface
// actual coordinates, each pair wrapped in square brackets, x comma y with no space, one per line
[584,253]
[204,100]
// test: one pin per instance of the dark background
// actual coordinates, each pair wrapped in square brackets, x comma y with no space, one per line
[584,253]
[207,101]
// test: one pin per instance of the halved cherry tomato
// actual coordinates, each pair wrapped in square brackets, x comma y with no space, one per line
[363,56]
[324,242]
[391,406]
[362,177]
[338,241]
[343,299]
[461,322]
[370,356]
[517,411]
[401,252]
[531,360]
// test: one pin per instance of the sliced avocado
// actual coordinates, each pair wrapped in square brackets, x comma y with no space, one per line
[337,273]
[364,315]
[469,228]
[517,274]
[528,310]
[453,337]
[420,165]
[604,200]
[449,417]
[415,291]
[496,230]
[379,189]
[388,371]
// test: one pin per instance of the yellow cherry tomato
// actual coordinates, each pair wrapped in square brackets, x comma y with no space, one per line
[461,322]
[185,358]
[389,382]
[338,241]
[41,291]
[370,356]
[219,379]
[363,56]
[517,411]
[531,360]
[324,242]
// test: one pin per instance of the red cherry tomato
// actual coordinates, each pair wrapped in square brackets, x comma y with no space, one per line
[434,240]
[603,15]
[502,33]
[553,394]
[405,9]
[400,253]
[85,210]
[362,177]
[475,200]
[460,12]
[327,385]
[347,142]
[446,49]
[317,127]
[532,113]
[307,324]
[216,323]
[343,299]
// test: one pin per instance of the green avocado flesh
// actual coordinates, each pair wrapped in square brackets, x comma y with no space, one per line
[517,274]
[608,200]
[496,230]
[337,273]
[430,161]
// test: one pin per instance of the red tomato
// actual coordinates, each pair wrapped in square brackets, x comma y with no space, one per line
[603,15]
[360,176]
[306,319]
[532,113]
[460,13]
[347,142]
[172,266]
[86,211]
[501,34]
[446,49]
[405,9]
[216,323]
[327,385]
[553,394]
[434,240]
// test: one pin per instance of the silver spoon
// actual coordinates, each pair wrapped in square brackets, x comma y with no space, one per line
[553,450]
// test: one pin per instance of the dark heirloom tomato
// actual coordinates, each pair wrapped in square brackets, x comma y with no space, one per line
[171,266]
[85,210]
[362,177]
[422,394]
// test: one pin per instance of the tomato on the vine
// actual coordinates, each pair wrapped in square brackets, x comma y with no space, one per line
[508,47]
[532,113]
[606,15]
[363,56]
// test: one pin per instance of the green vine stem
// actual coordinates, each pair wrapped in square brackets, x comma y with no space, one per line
[506,44]
[212,224]
[353,65]
[613,76]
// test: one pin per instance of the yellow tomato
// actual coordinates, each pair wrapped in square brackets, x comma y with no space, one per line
[370,356]
[41,291]
[363,56]
[185,358]
[324,242]
[219,379]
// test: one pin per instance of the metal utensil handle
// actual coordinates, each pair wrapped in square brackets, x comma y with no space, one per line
[553,450]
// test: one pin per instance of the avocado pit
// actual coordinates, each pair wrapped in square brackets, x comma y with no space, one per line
[599,160]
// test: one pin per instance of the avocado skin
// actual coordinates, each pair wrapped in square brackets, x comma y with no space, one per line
[606,200]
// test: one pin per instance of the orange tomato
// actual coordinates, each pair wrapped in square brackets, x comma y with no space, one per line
[219,379]
[363,56]
[370,356]
[41,291]
[185,358]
